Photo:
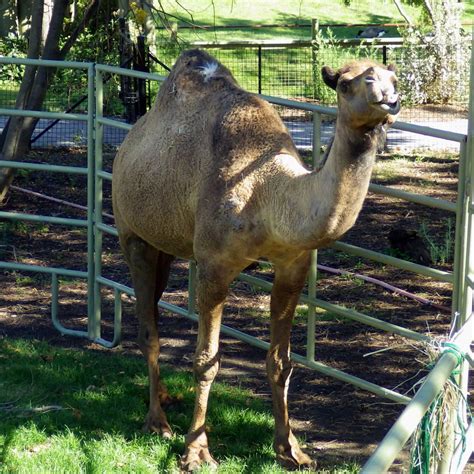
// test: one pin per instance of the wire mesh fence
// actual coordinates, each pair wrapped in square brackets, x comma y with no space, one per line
[285,69]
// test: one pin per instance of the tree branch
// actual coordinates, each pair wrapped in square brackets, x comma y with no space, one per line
[88,14]
[429,10]
[402,12]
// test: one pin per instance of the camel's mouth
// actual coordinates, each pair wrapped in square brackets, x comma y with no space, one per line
[390,107]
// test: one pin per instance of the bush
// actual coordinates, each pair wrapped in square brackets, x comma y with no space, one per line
[435,61]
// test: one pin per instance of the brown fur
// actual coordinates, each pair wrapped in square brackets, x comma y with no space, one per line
[211,173]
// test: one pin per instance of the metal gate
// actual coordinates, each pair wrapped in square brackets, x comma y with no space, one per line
[462,278]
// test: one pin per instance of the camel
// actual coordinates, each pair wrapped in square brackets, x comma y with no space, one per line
[211,173]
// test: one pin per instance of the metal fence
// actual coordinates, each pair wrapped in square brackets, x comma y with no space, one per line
[462,276]
[291,69]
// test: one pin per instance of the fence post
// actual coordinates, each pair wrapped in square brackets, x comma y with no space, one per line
[259,62]
[314,53]
[92,324]
[384,54]
[127,92]
[311,326]
[466,271]
[140,64]
[99,140]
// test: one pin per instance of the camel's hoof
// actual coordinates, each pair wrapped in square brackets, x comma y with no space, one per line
[195,457]
[154,425]
[295,458]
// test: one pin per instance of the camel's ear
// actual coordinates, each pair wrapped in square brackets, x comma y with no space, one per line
[330,77]
[392,67]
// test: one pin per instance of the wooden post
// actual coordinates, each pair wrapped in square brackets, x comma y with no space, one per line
[127,92]
[314,54]
[141,64]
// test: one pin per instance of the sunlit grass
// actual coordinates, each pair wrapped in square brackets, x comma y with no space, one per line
[97,402]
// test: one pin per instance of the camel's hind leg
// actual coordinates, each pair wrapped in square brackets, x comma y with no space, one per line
[288,283]
[150,271]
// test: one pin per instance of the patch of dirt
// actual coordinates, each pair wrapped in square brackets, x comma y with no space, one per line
[338,421]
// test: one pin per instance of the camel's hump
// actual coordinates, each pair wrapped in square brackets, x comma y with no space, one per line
[196,71]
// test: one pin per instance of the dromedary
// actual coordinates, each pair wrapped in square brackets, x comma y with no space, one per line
[210,173]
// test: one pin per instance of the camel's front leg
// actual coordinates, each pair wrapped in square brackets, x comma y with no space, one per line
[150,270]
[289,281]
[212,289]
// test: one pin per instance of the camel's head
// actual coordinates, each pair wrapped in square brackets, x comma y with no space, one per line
[366,92]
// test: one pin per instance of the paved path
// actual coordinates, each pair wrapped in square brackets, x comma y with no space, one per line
[397,139]
[67,133]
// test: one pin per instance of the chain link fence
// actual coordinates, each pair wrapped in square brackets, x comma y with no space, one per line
[284,69]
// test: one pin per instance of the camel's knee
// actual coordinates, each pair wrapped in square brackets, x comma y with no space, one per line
[149,343]
[279,368]
[206,366]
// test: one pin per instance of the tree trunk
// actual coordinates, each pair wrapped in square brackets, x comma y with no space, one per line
[35,82]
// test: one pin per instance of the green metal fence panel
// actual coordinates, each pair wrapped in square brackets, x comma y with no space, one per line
[461,277]
[88,68]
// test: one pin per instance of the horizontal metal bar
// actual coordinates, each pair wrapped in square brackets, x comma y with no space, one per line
[430,131]
[107,229]
[356,381]
[244,44]
[344,312]
[129,72]
[43,167]
[411,416]
[118,286]
[293,104]
[114,123]
[412,197]
[408,127]
[46,62]
[367,320]
[22,267]
[104,175]
[19,216]
[318,366]
[296,43]
[54,311]
[439,275]
[43,114]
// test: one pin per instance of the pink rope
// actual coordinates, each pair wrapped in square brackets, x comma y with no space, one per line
[387,286]
[53,199]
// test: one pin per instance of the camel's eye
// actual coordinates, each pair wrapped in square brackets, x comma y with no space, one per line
[344,86]
[370,79]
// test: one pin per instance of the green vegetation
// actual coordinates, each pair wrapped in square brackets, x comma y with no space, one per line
[66,410]
[8,92]
[442,251]
[247,13]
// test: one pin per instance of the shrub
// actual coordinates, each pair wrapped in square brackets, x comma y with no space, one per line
[435,59]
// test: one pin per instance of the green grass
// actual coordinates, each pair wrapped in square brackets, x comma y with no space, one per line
[100,402]
[247,13]
[8,94]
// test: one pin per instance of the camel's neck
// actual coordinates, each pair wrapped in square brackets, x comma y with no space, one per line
[329,200]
